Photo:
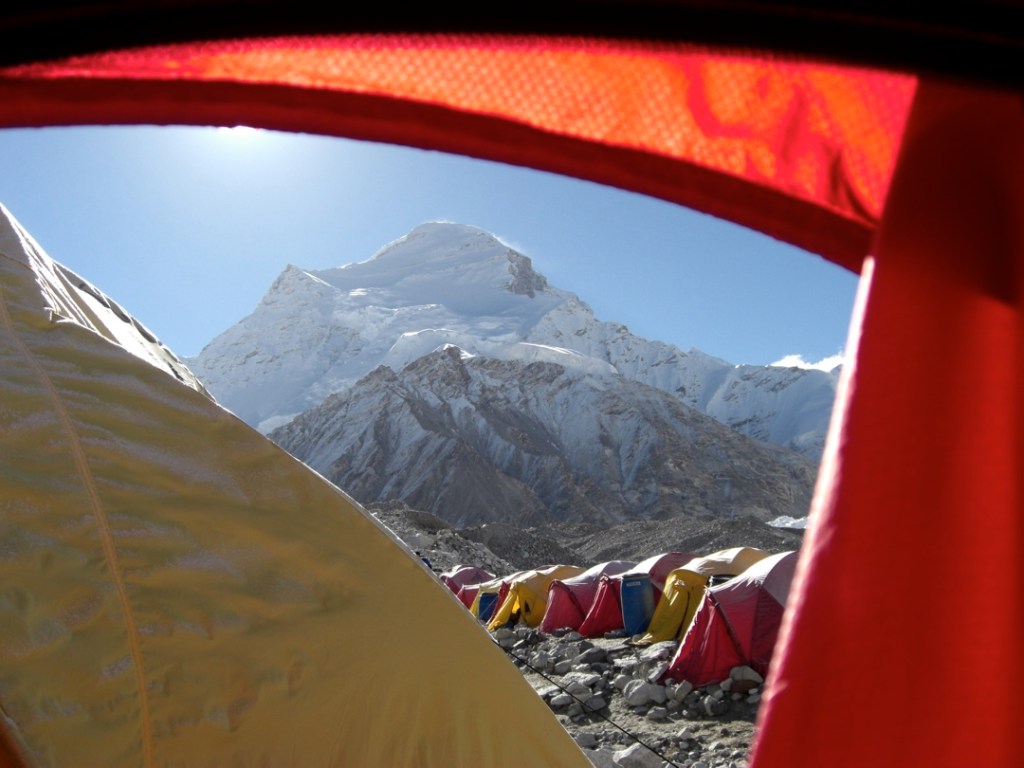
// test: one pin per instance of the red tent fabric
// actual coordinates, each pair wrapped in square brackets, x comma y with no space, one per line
[736,624]
[467,594]
[459,576]
[605,614]
[912,176]
[569,600]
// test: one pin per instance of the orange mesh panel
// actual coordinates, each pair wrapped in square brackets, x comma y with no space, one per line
[780,146]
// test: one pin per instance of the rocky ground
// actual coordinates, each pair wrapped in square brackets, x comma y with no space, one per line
[605,691]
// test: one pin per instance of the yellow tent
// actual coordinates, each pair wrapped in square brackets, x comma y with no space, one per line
[527,595]
[175,590]
[684,589]
[487,593]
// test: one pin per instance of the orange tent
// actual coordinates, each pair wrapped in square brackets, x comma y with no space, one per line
[888,141]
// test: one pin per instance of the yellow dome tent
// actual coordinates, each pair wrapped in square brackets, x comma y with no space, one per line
[176,590]
[684,589]
[527,595]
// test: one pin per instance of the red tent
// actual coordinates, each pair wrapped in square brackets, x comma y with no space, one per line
[605,614]
[460,575]
[887,139]
[467,594]
[569,600]
[736,624]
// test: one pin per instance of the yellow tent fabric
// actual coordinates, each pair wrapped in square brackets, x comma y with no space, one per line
[683,592]
[528,595]
[492,587]
[684,589]
[177,591]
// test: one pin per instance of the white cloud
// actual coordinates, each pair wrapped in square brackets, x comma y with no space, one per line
[797,361]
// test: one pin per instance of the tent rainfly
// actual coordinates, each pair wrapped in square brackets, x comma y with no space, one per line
[569,600]
[457,577]
[736,624]
[488,595]
[684,590]
[606,614]
[527,595]
[881,137]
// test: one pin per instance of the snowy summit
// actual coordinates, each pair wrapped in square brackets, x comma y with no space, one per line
[317,332]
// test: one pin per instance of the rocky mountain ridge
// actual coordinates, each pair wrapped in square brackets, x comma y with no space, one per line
[476,440]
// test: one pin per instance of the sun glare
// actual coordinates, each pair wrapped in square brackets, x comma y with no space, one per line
[239,131]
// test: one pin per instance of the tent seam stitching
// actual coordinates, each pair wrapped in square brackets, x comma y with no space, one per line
[106,537]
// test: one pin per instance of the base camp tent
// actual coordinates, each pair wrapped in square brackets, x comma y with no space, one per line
[460,575]
[611,604]
[736,624]
[526,596]
[888,138]
[467,595]
[488,595]
[176,590]
[684,590]
[569,600]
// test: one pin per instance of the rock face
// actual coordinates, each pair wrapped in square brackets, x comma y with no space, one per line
[478,440]
[317,333]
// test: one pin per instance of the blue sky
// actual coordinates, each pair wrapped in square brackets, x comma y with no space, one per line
[188,227]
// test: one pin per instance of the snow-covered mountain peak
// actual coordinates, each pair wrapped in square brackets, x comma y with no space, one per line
[464,268]
[317,332]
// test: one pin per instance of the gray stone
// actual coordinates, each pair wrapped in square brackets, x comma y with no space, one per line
[561,667]
[659,651]
[586,740]
[588,679]
[746,673]
[657,713]
[591,655]
[576,688]
[540,660]
[621,681]
[601,758]
[714,707]
[560,701]
[637,756]
[595,704]
[627,666]
[682,690]
[654,674]
[637,693]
